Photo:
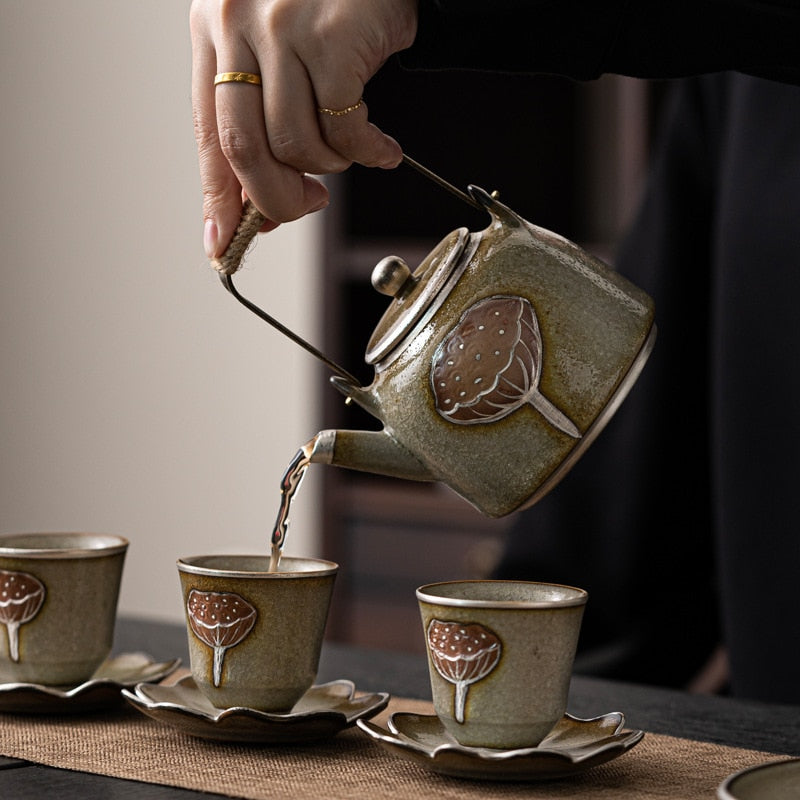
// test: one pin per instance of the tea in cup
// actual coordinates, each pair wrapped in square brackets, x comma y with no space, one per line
[255,636]
[500,656]
[58,605]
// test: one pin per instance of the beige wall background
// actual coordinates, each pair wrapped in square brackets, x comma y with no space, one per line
[136,396]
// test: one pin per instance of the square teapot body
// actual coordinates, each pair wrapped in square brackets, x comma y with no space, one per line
[499,361]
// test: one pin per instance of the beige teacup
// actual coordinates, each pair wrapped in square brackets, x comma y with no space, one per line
[500,655]
[255,636]
[58,605]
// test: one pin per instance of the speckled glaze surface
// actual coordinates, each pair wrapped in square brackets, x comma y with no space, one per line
[497,364]
[500,657]
[58,605]
[255,636]
[776,780]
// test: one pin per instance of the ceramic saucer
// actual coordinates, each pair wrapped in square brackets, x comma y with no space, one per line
[574,745]
[101,691]
[776,780]
[321,712]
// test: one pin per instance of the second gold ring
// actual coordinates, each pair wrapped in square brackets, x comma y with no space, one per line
[340,112]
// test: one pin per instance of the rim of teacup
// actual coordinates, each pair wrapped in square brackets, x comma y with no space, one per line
[61,544]
[305,567]
[490,594]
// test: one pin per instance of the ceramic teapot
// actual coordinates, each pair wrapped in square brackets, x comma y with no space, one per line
[496,364]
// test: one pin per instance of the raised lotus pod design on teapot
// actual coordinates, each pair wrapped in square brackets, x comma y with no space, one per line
[513,325]
[462,654]
[21,598]
[221,620]
[490,363]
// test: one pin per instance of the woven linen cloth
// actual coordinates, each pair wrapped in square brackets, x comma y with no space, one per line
[127,744]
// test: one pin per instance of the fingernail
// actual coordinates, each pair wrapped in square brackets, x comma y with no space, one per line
[210,238]
[316,194]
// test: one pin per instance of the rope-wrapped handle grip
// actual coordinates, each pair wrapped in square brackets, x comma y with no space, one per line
[249,225]
[252,220]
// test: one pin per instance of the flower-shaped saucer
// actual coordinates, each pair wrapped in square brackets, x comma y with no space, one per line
[574,745]
[102,691]
[322,712]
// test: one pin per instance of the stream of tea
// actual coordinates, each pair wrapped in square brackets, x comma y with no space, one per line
[290,483]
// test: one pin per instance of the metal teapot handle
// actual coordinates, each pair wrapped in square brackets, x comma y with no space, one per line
[252,220]
[442,182]
[249,225]
[227,282]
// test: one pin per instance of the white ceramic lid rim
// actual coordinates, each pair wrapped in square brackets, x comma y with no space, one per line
[429,300]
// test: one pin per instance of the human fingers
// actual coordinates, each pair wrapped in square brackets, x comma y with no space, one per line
[368,32]
[220,186]
[232,144]
[293,131]
[280,191]
[313,130]
[347,129]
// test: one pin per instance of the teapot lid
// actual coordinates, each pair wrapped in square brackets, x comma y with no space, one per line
[416,296]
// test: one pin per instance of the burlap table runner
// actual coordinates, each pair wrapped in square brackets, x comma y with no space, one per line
[126,744]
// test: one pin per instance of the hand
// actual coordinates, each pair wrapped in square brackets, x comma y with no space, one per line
[264,142]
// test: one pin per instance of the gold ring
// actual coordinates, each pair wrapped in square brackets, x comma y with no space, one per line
[340,112]
[237,77]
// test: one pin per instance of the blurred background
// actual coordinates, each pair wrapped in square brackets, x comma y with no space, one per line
[137,397]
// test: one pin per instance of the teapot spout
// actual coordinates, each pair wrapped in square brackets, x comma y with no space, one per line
[368,451]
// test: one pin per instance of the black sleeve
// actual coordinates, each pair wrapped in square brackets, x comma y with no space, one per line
[583,39]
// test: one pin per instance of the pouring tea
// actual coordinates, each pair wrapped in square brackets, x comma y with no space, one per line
[497,363]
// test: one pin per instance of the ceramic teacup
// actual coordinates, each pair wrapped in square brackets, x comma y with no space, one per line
[58,605]
[255,636]
[500,655]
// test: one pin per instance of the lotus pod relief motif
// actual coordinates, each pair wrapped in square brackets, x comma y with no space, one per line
[462,655]
[221,620]
[21,598]
[490,364]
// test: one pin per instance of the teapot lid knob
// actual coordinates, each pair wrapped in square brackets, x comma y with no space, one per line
[391,276]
